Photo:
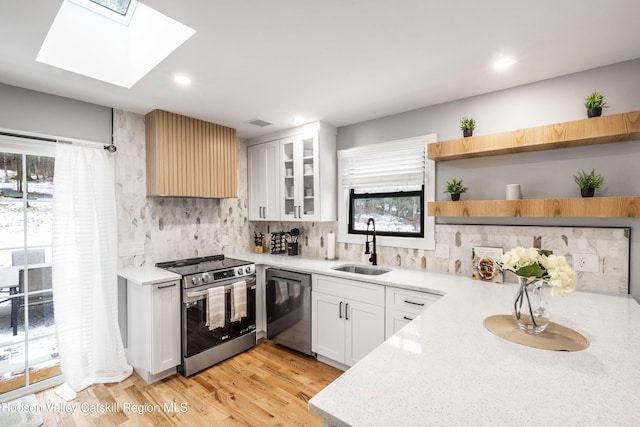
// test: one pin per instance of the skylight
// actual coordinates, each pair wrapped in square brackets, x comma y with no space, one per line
[84,41]
[118,6]
[119,10]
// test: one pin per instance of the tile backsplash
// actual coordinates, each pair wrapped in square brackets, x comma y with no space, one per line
[176,228]
[610,244]
[172,227]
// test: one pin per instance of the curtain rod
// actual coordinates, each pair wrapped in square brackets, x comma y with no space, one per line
[110,148]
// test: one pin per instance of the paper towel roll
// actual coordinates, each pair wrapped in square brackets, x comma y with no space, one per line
[331,246]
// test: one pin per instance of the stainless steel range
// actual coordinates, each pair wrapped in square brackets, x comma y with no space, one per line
[218,309]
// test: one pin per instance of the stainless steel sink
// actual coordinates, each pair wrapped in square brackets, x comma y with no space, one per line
[362,269]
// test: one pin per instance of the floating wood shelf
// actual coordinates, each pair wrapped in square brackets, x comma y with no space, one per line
[592,207]
[597,130]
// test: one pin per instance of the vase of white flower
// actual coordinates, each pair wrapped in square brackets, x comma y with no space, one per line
[534,268]
[530,308]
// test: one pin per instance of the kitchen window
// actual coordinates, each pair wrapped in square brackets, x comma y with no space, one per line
[397,211]
[391,183]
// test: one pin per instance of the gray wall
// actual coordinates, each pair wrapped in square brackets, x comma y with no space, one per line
[36,112]
[541,174]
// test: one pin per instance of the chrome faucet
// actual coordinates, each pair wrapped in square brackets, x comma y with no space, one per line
[374,256]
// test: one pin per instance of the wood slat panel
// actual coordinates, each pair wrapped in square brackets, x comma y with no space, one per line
[188,157]
[592,207]
[597,130]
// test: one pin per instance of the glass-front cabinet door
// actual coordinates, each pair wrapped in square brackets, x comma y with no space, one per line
[289,207]
[300,177]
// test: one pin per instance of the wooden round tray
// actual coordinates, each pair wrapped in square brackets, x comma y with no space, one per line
[555,337]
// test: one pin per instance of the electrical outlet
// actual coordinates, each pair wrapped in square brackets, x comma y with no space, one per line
[442,251]
[586,262]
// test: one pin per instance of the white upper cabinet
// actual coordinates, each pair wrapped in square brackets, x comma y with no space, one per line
[264,179]
[305,170]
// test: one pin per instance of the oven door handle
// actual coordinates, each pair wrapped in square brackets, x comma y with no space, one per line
[250,284]
[197,294]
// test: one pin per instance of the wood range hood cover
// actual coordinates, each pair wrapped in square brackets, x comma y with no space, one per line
[187,157]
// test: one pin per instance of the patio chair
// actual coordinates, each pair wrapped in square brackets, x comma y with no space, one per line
[39,280]
[34,256]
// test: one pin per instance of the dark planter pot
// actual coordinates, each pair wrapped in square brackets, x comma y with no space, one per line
[467,132]
[594,112]
[587,192]
[455,197]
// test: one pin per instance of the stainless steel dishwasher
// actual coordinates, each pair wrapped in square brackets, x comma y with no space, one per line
[288,297]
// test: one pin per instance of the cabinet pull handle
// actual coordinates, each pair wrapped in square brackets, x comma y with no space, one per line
[407,318]
[421,304]
[299,211]
[346,311]
[264,212]
[168,286]
[294,212]
[340,310]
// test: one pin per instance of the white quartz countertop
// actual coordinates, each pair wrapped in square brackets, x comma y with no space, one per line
[445,368]
[147,275]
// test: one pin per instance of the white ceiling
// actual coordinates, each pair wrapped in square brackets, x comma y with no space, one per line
[339,61]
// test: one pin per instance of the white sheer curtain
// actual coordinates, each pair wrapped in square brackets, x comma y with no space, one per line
[85,283]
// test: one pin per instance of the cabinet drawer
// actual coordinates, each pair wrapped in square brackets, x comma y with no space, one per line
[409,301]
[396,320]
[352,289]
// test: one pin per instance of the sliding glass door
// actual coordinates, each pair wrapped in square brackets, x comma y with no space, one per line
[28,350]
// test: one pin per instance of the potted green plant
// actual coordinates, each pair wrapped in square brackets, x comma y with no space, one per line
[588,182]
[467,125]
[595,103]
[455,188]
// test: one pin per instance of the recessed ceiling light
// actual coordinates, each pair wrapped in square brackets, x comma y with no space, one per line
[182,80]
[298,120]
[504,62]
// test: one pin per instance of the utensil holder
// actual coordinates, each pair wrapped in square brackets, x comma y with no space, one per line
[292,248]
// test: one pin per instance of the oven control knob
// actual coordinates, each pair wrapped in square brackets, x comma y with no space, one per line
[195,280]
[239,272]
[247,270]
[205,277]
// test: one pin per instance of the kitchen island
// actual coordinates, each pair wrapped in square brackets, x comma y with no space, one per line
[445,368]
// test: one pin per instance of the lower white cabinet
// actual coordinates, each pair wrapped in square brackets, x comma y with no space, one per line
[153,329]
[403,305]
[347,318]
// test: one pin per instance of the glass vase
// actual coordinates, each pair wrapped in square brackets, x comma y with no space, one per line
[530,308]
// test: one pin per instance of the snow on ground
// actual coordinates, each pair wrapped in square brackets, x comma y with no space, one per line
[39,213]
[41,351]
[386,222]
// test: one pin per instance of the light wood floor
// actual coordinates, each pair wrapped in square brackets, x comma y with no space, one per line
[266,386]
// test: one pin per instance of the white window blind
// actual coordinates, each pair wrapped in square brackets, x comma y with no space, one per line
[397,163]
